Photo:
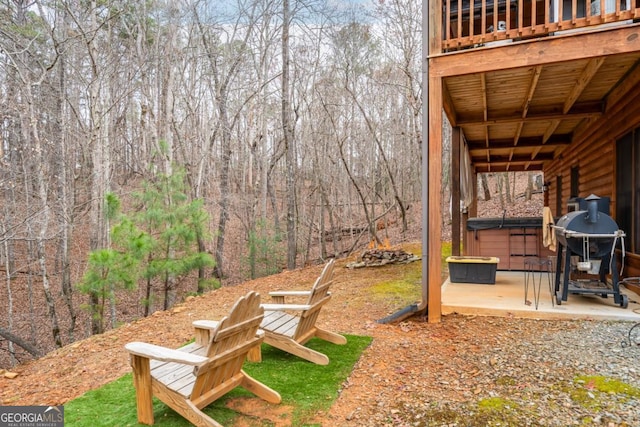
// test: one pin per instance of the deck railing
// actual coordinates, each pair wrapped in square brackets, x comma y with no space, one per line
[471,23]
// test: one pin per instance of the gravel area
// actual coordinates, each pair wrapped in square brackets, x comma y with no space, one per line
[487,371]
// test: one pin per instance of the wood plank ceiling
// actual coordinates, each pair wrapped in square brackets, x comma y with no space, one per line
[518,118]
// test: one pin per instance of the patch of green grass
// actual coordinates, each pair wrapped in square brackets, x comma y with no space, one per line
[593,392]
[493,404]
[587,390]
[407,289]
[304,386]
[446,252]
[607,385]
[401,290]
[413,248]
[497,411]
[584,398]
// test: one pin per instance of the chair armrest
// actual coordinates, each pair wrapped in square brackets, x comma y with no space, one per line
[212,324]
[206,324]
[276,307]
[163,354]
[278,297]
[290,293]
[204,328]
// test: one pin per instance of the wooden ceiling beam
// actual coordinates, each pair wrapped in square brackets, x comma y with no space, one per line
[621,90]
[503,165]
[550,130]
[559,141]
[515,158]
[533,84]
[512,168]
[533,154]
[508,166]
[532,118]
[483,85]
[516,137]
[447,106]
[583,80]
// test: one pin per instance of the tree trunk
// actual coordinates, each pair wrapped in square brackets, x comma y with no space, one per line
[100,160]
[500,183]
[385,162]
[19,341]
[221,85]
[485,186]
[8,256]
[65,192]
[147,297]
[288,142]
[42,235]
[224,184]
[507,187]
[529,192]
[201,271]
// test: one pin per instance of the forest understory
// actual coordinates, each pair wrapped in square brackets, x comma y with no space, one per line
[29,322]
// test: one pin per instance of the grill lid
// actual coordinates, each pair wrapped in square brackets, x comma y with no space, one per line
[590,222]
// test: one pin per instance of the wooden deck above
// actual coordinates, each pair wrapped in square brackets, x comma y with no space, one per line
[472,23]
[520,104]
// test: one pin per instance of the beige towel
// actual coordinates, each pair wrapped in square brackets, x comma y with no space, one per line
[548,233]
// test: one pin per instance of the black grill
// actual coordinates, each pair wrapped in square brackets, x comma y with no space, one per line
[590,237]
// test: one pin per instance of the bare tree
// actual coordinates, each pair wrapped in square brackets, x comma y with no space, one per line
[30,71]
[530,182]
[279,112]
[225,60]
[289,142]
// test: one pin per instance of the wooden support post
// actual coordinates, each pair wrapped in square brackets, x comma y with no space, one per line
[434,249]
[456,144]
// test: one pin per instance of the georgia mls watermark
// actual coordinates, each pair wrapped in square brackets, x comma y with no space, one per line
[31,416]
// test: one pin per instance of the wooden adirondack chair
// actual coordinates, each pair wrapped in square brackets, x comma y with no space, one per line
[289,332]
[192,377]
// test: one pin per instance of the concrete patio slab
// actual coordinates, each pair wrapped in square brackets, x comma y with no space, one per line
[506,298]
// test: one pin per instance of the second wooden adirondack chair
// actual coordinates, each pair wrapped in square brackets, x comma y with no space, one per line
[192,377]
[289,326]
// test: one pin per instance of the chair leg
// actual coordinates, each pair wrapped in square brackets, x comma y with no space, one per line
[197,417]
[259,389]
[255,354]
[142,383]
[295,348]
[332,337]
[308,354]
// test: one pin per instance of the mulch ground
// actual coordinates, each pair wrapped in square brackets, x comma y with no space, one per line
[88,364]
[410,366]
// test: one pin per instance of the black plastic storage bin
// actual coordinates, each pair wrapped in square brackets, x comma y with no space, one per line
[473,269]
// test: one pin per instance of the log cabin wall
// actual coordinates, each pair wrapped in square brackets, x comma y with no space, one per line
[593,153]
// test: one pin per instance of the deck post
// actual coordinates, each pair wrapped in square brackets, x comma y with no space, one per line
[431,163]
[456,144]
[434,215]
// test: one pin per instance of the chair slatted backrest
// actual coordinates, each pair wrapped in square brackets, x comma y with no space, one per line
[319,296]
[228,346]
